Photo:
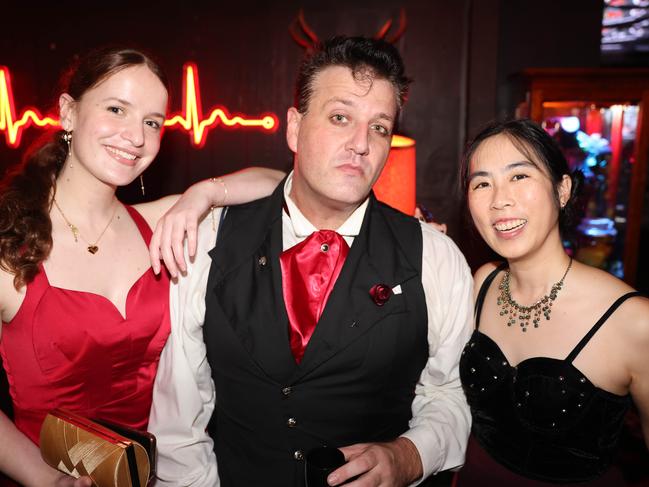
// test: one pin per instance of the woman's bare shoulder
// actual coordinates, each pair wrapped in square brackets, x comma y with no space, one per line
[10,298]
[599,284]
[600,288]
[481,274]
[634,320]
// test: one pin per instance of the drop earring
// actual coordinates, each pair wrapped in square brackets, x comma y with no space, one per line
[142,184]
[67,137]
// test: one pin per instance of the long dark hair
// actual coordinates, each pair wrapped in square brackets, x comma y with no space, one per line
[26,192]
[536,144]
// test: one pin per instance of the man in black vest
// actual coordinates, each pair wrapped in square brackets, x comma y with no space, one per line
[330,318]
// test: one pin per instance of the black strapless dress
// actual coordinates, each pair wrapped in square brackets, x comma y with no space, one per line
[540,422]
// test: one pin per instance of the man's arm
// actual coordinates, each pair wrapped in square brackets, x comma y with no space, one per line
[183,394]
[441,420]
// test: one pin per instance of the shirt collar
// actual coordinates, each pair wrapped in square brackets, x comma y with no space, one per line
[303,227]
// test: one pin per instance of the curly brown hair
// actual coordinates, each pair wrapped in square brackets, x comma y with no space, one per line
[26,193]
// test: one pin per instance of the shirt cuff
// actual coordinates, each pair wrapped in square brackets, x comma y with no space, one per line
[431,453]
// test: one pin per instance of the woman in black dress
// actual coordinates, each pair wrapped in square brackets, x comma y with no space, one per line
[560,349]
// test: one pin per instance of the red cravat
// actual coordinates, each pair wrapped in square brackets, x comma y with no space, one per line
[309,272]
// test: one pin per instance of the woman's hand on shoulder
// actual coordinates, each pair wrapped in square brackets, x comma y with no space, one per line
[182,219]
[180,222]
[423,215]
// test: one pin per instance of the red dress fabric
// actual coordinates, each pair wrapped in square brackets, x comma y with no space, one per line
[74,350]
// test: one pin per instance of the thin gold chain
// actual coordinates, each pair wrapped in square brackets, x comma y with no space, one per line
[92,247]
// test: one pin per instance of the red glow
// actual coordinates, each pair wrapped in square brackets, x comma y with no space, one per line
[190,119]
[617,124]
[397,184]
[11,126]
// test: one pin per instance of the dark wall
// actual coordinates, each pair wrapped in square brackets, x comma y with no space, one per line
[461,55]
[544,34]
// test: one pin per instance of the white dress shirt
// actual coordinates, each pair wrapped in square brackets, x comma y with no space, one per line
[183,394]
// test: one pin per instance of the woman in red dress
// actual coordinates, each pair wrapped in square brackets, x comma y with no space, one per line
[84,318]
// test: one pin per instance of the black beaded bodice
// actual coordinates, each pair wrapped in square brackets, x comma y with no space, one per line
[541,418]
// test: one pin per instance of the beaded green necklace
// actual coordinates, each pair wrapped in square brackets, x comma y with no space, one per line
[522,314]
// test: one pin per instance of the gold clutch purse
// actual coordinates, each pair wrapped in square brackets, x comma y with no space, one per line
[77,446]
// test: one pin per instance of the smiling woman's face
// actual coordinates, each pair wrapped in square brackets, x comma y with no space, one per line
[511,199]
[116,125]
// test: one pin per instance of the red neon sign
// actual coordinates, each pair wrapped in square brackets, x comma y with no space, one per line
[189,119]
[11,126]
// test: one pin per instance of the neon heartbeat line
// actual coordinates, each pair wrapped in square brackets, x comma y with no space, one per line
[8,122]
[189,119]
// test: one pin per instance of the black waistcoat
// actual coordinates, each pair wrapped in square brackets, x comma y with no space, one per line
[357,379]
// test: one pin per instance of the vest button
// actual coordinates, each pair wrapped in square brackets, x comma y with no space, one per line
[291,423]
[324,247]
[298,455]
[287,391]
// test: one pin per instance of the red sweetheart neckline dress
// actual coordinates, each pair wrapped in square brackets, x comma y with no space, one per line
[74,349]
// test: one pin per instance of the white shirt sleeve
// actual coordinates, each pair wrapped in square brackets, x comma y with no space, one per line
[183,392]
[441,420]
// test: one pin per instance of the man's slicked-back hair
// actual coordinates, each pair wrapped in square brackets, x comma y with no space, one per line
[367,59]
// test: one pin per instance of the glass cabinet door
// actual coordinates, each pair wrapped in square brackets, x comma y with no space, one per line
[600,141]
[600,118]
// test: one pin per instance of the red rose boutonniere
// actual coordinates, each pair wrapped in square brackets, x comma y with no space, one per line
[380,294]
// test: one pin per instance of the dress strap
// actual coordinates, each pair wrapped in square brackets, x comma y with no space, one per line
[483,292]
[600,322]
[141,223]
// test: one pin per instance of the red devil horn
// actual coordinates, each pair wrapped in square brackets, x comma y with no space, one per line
[298,35]
[385,28]
[304,36]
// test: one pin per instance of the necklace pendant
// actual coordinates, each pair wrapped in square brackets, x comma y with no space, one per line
[93,249]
